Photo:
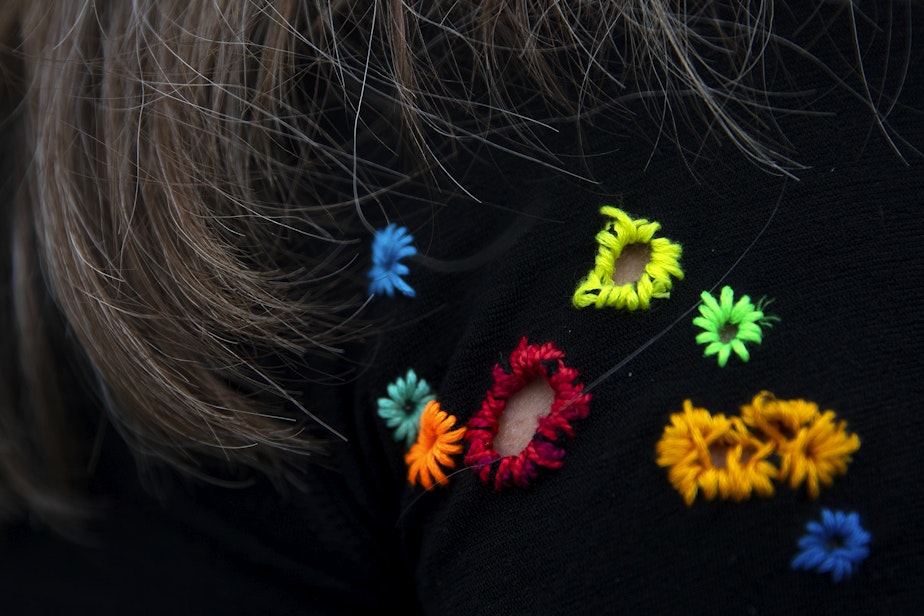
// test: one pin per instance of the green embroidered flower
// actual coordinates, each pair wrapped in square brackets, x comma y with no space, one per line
[728,325]
[408,396]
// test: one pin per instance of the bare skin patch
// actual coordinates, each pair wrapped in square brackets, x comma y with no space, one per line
[518,423]
[631,263]
[718,455]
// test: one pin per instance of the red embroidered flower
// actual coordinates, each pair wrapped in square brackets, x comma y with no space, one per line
[528,362]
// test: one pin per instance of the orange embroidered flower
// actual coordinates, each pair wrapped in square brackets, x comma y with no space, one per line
[813,448]
[778,419]
[715,455]
[436,443]
[818,453]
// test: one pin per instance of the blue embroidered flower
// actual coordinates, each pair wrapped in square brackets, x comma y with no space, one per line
[408,396]
[837,545]
[390,245]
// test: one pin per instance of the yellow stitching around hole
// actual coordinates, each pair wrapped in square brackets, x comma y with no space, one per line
[632,265]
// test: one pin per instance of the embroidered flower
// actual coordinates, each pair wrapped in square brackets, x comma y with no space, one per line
[836,545]
[780,420]
[390,245]
[401,411]
[528,363]
[436,443]
[733,457]
[817,453]
[728,325]
[813,448]
[631,267]
[714,454]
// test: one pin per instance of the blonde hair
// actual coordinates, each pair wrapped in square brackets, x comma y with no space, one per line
[185,181]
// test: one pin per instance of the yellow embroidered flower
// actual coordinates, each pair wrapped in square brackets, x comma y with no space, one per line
[715,455]
[436,443]
[778,419]
[817,453]
[631,267]
[812,448]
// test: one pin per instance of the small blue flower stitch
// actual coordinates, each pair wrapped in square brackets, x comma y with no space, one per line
[390,245]
[837,545]
[401,411]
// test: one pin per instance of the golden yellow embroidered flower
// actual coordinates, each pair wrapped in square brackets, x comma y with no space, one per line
[715,455]
[779,420]
[631,267]
[817,453]
[812,447]
[436,443]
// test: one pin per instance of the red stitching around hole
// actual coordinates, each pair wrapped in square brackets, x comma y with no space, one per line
[546,449]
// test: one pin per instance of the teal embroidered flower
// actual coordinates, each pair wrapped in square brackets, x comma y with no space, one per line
[407,398]
[728,326]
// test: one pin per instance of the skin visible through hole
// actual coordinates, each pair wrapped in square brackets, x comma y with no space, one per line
[631,263]
[718,454]
[518,422]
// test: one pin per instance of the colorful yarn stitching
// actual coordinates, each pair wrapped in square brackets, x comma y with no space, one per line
[389,246]
[598,288]
[436,443]
[811,446]
[836,545]
[715,455]
[401,411]
[546,449]
[732,458]
[729,326]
